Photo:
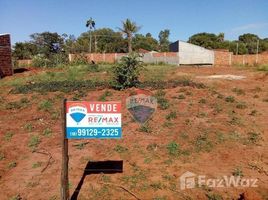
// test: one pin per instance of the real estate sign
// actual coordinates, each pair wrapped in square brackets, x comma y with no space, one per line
[91,120]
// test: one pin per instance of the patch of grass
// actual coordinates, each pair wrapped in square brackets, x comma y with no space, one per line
[145,128]
[253,113]
[47,132]
[173,149]
[230,99]
[28,127]
[263,67]
[157,186]
[8,136]
[168,124]
[12,165]
[120,149]
[202,101]
[217,108]
[45,105]
[152,147]
[105,95]
[238,172]
[36,165]
[22,103]
[171,115]
[81,145]
[213,196]
[16,197]
[202,143]
[238,91]
[241,105]
[162,102]
[253,137]
[181,96]
[34,142]
[201,114]
[235,121]
[2,156]
[220,96]
[147,160]
[184,135]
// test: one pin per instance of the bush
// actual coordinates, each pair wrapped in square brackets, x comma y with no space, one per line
[127,72]
[40,61]
[80,59]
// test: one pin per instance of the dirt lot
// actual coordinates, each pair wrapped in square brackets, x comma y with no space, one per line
[220,130]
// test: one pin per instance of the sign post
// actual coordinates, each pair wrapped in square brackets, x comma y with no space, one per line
[87,120]
[65,158]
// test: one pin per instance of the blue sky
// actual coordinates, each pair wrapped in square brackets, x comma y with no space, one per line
[184,18]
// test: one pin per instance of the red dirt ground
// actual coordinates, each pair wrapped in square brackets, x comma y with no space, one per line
[150,173]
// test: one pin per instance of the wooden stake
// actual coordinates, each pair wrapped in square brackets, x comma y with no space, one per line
[65,158]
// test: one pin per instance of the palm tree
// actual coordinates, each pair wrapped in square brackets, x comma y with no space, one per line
[91,24]
[129,28]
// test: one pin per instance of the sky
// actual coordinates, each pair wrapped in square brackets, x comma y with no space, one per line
[183,18]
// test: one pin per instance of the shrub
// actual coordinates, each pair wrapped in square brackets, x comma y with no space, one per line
[173,149]
[230,99]
[171,115]
[40,61]
[127,72]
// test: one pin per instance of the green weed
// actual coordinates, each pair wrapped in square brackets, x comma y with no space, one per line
[171,115]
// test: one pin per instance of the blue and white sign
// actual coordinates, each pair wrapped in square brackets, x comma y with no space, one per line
[92,120]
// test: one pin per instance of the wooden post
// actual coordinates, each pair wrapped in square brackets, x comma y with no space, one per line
[65,158]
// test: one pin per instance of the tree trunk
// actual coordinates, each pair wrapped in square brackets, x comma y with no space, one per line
[129,43]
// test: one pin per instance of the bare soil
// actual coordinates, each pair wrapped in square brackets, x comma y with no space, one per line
[214,137]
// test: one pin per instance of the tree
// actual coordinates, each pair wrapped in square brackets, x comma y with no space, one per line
[145,42]
[250,40]
[164,40]
[91,24]
[24,50]
[129,28]
[45,42]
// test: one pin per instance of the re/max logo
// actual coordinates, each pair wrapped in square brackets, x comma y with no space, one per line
[101,119]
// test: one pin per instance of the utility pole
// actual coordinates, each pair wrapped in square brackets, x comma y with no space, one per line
[90,39]
[237,48]
[257,52]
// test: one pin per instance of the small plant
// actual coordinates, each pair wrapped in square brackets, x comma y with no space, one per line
[127,72]
[12,165]
[2,156]
[105,95]
[173,149]
[230,99]
[34,142]
[253,137]
[120,149]
[181,96]
[156,185]
[241,105]
[238,91]
[213,196]
[152,147]
[47,132]
[28,127]
[202,101]
[202,143]
[253,113]
[171,115]
[8,136]
[145,128]
[36,165]
[237,172]
[45,105]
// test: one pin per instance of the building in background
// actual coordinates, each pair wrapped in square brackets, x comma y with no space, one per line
[190,54]
[5,56]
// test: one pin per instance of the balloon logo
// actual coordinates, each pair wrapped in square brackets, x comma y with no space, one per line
[78,112]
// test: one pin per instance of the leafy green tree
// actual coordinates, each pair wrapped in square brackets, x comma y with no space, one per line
[145,42]
[129,28]
[45,42]
[24,50]
[207,40]
[164,40]
[250,40]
